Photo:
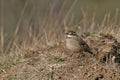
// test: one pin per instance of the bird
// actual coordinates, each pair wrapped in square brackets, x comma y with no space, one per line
[75,43]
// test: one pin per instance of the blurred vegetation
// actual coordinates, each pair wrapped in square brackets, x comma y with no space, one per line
[39,9]
[46,19]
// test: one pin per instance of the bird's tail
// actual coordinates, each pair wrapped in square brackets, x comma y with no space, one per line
[87,49]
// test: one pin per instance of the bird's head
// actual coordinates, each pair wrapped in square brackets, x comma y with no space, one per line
[70,34]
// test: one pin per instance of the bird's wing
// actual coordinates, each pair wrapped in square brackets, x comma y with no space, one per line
[81,41]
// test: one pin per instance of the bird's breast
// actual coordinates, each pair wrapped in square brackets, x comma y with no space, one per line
[73,45]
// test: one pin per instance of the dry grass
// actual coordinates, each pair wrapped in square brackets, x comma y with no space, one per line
[55,63]
[39,54]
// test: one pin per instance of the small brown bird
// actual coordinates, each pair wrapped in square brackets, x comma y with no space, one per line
[75,43]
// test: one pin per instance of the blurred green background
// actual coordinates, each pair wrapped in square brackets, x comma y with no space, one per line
[24,12]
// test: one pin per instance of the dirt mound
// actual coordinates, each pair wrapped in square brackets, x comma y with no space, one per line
[102,65]
[56,63]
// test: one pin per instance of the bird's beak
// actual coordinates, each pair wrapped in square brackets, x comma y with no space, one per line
[66,32]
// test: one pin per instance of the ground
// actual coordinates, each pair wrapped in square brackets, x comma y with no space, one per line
[57,63]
